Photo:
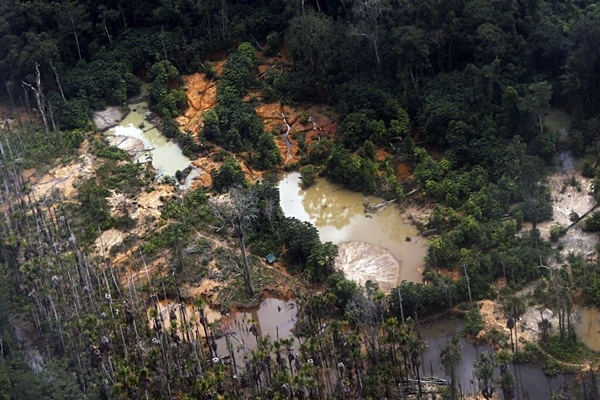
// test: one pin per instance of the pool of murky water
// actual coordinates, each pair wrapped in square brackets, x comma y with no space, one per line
[530,379]
[339,216]
[166,156]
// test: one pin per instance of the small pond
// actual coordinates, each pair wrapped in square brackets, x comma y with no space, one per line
[167,157]
[339,216]
[272,317]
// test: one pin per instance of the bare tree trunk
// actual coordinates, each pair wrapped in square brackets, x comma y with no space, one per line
[106,30]
[39,96]
[246,267]
[76,36]
[56,77]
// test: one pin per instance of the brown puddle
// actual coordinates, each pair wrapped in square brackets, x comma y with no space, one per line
[587,327]
[274,318]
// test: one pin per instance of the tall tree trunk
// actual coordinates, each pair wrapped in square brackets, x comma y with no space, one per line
[39,97]
[245,266]
[76,36]
[57,78]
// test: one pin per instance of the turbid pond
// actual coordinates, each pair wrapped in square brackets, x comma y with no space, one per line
[339,216]
[530,379]
[166,156]
[272,317]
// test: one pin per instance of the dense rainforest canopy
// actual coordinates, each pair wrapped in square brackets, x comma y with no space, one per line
[456,89]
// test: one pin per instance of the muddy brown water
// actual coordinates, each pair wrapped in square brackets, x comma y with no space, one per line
[587,327]
[338,214]
[274,318]
[530,379]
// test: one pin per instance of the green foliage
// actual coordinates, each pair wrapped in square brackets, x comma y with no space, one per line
[305,251]
[266,155]
[587,169]
[74,114]
[538,208]
[211,130]
[355,172]
[343,289]
[229,175]
[125,178]
[308,176]
[567,349]
[103,149]
[94,209]
[592,223]
[238,71]
[529,353]
[98,83]
[557,231]
[167,101]
[418,298]
[239,126]
[473,322]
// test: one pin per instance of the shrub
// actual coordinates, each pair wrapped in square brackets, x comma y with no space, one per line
[308,176]
[473,323]
[557,231]
[587,169]
[229,175]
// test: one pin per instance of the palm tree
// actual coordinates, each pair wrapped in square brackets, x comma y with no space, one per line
[507,380]
[544,326]
[484,371]
[451,358]
[415,346]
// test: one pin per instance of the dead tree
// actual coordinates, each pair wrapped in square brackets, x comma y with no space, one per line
[39,96]
[240,211]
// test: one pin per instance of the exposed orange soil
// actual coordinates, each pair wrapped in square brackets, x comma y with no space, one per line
[404,173]
[381,155]
[454,275]
[202,96]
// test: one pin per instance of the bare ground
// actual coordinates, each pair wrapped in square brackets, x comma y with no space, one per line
[362,262]
[61,179]
[567,199]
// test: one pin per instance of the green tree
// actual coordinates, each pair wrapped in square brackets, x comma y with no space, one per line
[484,371]
[229,175]
[267,153]
[168,102]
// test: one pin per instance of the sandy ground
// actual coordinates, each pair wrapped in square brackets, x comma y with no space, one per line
[108,118]
[362,262]
[62,178]
[131,145]
[495,316]
[145,209]
[567,199]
